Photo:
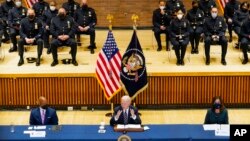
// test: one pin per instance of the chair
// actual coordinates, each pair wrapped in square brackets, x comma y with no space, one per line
[83,40]
[215,52]
[2,53]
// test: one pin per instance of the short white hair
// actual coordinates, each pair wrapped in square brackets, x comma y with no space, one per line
[126,98]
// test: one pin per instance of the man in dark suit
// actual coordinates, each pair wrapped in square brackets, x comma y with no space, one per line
[43,115]
[125,113]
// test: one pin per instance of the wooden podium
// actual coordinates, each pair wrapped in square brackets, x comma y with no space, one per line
[141,129]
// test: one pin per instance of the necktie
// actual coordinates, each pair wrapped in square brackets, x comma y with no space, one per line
[43,116]
[125,117]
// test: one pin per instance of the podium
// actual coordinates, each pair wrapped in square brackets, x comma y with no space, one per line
[128,128]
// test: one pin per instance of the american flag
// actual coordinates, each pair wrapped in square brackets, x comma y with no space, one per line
[222,4]
[108,67]
[30,3]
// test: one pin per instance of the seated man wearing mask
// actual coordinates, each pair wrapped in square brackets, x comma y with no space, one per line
[48,15]
[43,115]
[245,40]
[214,30]
[31,32]
[85,18]
[161,22]
[179,33]
[16,14]
[126,113]
[62,29]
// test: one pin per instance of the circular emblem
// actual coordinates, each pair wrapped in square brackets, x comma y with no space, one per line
[124,138]
[133,65]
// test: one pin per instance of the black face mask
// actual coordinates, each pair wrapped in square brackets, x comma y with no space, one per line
[31,17]
[40,0]
[44,107]
[84,6]
[244,10]
[70,1]
[195,7]
[217,106]
[61,15]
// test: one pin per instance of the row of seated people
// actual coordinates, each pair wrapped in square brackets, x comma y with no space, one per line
[169,19]
[36,25]
[201,22]
[125,113]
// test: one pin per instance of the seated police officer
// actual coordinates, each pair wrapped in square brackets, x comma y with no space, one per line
[161,22]
[71,6]
[179,33]
[86,20]
[48,15]
[1,26]
[16,14]
[40,7]
[5,7]
[31,30]
[239,17]
[245,40]
[195,17]
[62,29]
[206,5]
[231,7]
[214,30]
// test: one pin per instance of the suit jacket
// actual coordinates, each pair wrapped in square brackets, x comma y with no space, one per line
[121,118]
[50,117]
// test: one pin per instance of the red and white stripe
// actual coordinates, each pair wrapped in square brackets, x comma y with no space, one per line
[110,82]
[30,3]
[223,3]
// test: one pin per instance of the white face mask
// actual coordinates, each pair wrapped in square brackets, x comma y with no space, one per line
[8,0]
[162,7]
[52,8]
[214,15]
[179,16]
[18,3]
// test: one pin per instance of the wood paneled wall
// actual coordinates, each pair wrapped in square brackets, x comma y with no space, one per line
[162,90]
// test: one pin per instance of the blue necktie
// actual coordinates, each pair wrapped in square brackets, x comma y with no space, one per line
[125,115]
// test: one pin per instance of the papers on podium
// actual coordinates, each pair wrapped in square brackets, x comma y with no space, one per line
[220,129]
[128,128]
[38,134]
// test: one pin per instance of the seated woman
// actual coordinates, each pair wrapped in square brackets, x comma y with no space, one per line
[218,113]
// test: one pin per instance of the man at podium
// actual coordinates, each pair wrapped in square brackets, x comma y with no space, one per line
[125,113]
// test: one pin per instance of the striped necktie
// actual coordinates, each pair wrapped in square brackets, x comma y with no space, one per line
[125,115]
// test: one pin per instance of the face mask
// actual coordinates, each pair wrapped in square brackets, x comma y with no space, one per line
[214,15]
[84,6]
[244,10]
[31,17]
[71,1]
[40,0]
[195,7]
[18,4]
[61,15]
[162,7]
[217,106]
[8,0]
[179,16]
[52,8]
[44,107]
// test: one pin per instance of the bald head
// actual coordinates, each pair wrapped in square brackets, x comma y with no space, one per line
[42,101]
[125,102]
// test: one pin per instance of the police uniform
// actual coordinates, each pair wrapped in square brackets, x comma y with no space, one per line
[48,15]
[206,5]
[5,8]
[63,27]
[217,27]
[196,20]
[179,34]
[230,8]
[173,5]
[158,21]
[1,25]
[71,6]
[86,16]
[30,29]
[245,40]
[238,20]
[15,16]
[40,7]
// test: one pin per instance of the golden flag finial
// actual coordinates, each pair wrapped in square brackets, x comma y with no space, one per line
[135,18]
[110,19]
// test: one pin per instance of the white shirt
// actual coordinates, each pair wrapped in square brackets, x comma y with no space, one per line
[127,111]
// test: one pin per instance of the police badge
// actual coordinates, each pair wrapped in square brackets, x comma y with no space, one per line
[36,26]
[23,12]
[68,23]
[74,7]
[90,15]
[133,69]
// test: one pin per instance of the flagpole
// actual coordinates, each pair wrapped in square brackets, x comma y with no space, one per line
[110,18]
